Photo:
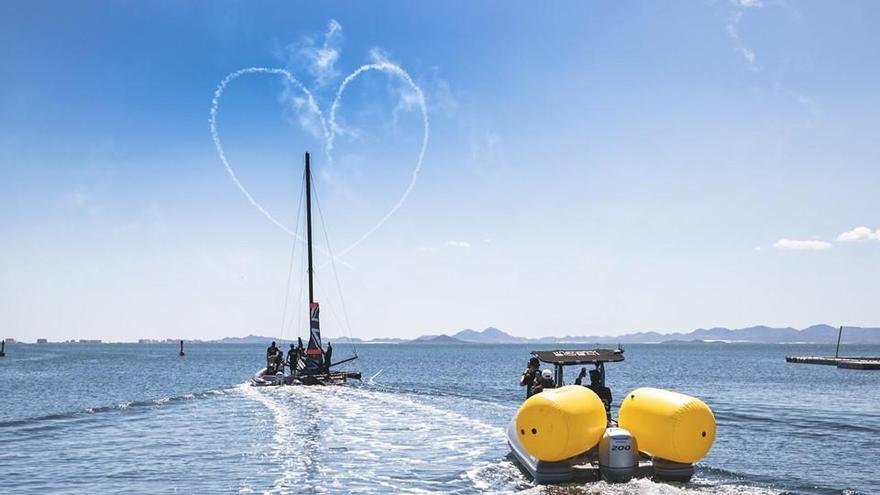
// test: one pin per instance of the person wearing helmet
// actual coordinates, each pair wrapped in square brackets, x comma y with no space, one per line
[530,376]
[544,382]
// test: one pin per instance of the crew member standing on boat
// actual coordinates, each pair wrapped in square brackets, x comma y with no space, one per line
[270,358]
[596,386]
[279,361]
[327,355]
[544,382]
[529,376]
[292,358]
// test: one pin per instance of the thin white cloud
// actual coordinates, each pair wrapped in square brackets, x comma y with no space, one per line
[733,31]
[859,234]
[458,244]
[738,45]
[318,58]
[380,56]
[487,151]
[748,3]
[802,245]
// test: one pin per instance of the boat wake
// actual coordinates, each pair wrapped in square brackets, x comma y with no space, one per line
[648,487]
[363,439]
[45,422]
[381,440]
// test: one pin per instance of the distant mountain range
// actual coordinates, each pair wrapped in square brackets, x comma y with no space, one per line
[260,339]
[817,334]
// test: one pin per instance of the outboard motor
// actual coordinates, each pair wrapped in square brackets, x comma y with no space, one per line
[618,455]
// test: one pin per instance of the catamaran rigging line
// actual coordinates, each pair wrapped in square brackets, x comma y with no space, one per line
[311,365]
[346,321]
[292,259]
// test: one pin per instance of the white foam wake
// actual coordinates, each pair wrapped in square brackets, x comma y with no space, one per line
[362,440]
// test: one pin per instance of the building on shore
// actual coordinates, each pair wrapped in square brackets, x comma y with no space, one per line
[10,341]
[42,341]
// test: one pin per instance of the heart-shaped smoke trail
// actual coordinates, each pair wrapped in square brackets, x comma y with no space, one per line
[397,71]
[329,135]
[215,106]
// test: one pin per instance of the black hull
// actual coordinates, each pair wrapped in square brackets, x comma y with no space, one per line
[261,379]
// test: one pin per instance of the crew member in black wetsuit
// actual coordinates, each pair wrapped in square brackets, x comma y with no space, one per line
[292,358]
[596,386]
[529,376]
[270,358]
[279,362]
[327,355]
[544,382]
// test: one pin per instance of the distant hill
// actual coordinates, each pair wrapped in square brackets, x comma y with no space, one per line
[490,335]
[437,340]
[355,340]
[816,334]
[250,339]
[259,339]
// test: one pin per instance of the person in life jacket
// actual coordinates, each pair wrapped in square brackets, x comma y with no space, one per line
[529,376]
[544,382]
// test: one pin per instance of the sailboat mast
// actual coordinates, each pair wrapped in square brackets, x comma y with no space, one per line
[314,360]
[309,224]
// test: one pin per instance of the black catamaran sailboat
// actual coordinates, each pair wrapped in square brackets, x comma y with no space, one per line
[312,365]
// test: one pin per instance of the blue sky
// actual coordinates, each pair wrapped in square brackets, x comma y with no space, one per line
[592,167]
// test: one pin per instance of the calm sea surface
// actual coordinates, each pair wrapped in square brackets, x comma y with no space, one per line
[125,418]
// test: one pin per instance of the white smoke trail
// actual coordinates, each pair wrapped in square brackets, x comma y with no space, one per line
[329,135]
[215,106]
[393,69]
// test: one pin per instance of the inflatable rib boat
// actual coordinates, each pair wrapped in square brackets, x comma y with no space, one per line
[565,435]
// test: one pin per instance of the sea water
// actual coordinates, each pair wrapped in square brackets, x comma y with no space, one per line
[128,418]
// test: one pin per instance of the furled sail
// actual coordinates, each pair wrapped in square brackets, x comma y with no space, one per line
[313,360]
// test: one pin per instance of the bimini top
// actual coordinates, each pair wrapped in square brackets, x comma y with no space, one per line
[586,356]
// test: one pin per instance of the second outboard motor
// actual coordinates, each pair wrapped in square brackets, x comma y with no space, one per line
[618,456]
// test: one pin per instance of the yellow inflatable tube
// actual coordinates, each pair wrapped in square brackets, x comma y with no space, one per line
[669,425]
[561,423]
